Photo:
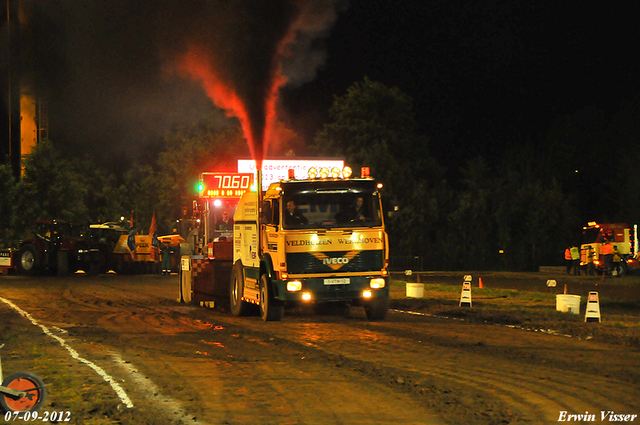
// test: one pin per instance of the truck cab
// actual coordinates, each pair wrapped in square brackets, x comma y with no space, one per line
[311,241]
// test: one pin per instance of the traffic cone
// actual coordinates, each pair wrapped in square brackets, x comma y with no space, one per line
[565,289]
[480,285]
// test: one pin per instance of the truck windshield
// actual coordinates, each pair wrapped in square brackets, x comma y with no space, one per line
[331,208]
[591,235]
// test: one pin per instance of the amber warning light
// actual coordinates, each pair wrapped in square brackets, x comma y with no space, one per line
[224,185]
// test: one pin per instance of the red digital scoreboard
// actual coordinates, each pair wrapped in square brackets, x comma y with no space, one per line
[225,185]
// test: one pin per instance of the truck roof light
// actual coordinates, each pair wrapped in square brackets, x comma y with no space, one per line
[365,172]
[312,173]
[324,172]
[335,172]
[346,172]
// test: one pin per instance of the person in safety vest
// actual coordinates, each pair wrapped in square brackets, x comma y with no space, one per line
[568,260]
[575,259]
[617,262]
[607,252]
[591,268]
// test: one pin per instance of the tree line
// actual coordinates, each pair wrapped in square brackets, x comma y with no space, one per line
[513,211]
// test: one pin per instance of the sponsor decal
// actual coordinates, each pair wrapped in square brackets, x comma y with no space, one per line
[363,240]
[335,263]
[310,242]
[334,241]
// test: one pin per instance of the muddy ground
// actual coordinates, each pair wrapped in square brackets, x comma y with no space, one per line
[509,359]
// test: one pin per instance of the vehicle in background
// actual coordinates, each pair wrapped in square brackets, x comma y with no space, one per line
[621,235]
[104,237]
[56,248]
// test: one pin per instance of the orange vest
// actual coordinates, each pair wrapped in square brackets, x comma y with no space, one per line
[567,254]
[606,249]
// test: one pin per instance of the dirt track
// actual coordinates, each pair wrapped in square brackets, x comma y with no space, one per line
[185,363]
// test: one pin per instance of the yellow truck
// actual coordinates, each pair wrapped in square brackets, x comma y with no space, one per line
[319,240]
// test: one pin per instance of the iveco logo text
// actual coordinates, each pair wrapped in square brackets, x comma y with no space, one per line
[337,260]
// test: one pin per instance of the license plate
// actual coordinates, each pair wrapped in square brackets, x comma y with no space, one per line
[337,281]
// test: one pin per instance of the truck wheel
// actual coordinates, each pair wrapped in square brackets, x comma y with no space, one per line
[29,260]
[270,308]
[377,308]
[28,383]
[623,269]
[236,289]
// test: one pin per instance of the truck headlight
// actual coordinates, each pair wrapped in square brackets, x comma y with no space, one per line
[377,283]
[294,286]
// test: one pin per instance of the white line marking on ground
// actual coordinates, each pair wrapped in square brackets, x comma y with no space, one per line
[116,387]
[172,408]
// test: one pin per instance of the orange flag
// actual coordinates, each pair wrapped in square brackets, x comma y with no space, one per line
[153,231]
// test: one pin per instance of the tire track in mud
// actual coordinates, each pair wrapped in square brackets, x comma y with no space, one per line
[526,392]
[467,372]
[573,380]
[263,382]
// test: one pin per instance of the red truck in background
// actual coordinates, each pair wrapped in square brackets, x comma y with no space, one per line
[621,235]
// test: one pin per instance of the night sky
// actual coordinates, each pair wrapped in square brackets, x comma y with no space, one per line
[483,75]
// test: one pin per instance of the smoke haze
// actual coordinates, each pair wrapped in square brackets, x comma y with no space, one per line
[114,72]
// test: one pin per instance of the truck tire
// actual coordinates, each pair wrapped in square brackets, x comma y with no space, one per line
[29,260]
[377,308]
[236,289]
[623,269]
[270,309]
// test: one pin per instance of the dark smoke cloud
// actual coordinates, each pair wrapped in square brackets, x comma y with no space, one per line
[308,54]
[103,64]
